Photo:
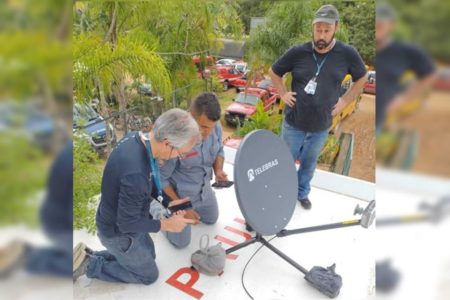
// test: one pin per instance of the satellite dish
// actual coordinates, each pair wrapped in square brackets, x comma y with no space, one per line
[266,190]
[265,182]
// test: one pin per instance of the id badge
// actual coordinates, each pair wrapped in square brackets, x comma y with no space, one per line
[310,88]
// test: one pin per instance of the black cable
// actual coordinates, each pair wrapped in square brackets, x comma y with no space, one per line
[245,267]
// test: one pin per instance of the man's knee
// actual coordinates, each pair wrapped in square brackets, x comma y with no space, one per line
[210,220]
[150,278]
[180,243]
[209,215]
[180,240]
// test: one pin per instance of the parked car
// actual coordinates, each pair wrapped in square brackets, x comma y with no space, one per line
[87,122]
[28,120]
[145,89]
[443,80]
[227,73]
[241,66]
[225,62]
[202,63]
[267,85]
[244,106]
[240,83]
[370,86]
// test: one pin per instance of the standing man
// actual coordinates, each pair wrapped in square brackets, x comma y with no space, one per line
[189,176]
[317,69]
[131,184]
[394,59]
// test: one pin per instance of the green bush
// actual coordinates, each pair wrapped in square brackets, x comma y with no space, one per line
[329,150]
[23,174]
[86,184]
[260,120]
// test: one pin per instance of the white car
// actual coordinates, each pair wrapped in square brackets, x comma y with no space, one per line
[241,66]
[225,62]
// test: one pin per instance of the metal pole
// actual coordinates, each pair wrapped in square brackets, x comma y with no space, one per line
[407,219]
[241,245]
[283,256]
[349,223]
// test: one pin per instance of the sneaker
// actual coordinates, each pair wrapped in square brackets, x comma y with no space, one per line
[81,254]
[13,257]
[305,203]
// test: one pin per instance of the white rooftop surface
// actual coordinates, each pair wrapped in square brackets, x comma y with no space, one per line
[267,276]
[420,252]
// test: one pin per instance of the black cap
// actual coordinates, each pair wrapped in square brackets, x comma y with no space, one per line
[385,12]
[326,13]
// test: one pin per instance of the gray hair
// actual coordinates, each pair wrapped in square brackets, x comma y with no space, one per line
[177,126]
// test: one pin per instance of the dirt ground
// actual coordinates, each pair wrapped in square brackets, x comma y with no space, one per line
[361,123]
[432,123]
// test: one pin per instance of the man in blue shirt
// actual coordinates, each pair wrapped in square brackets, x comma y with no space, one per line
[190,176]
[130,185]
[317,69]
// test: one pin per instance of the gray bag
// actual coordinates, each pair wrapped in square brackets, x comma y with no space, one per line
[209,260]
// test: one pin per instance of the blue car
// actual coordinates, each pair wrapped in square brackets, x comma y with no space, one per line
[28,120]
[87,120]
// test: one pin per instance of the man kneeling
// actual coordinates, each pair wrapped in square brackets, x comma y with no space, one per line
[130,186]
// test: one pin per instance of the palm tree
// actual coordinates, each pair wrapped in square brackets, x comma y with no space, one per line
[104,57]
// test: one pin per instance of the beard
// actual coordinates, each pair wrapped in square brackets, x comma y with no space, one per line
[322,44]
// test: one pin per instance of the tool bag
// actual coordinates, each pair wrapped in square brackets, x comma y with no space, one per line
[326,280]
[209,260]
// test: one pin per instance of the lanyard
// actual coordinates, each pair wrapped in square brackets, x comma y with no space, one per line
[319,67]
[155,169]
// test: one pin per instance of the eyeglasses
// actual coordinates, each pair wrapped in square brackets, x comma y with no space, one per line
[179,154]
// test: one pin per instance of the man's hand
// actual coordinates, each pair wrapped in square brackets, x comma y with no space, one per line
[221,176]
[188,214]
[289,98]
[192,215]
[395,104]
[178,202]
[338,107]
[176,223]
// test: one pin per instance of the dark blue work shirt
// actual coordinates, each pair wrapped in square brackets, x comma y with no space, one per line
[312,113]
[57,209]
[126,190]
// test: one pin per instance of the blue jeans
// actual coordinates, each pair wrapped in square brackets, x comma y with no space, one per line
[55,260]
[305,147]
[129,258]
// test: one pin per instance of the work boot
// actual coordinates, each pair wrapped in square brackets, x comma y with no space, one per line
[13,257]
[81,255]
[305,203]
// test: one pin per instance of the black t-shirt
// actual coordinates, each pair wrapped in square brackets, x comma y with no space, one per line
[127,188]
[391,64]
[312,113]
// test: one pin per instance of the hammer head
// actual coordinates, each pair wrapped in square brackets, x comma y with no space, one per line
[368,215]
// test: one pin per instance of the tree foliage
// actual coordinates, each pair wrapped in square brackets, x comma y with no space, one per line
[359,18]
[289,23]
[425,23]
[86,184]
[173,30]
[20,162]
[34,56]
[252,8]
